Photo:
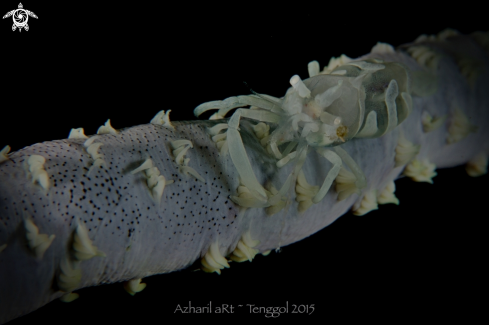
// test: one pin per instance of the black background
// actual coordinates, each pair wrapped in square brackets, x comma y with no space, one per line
[82,63]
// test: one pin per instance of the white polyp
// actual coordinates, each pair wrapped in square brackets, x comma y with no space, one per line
[223,147]
[477,166]
[313,68]
[360,182]
[36,159]
[69,276]
[302,149]
[217,116]
[40,176]
[277,206]
[336,62]
[219,137]
[90,140]
[153,171]
[216,254]
[460,126]
[405,151]
[38,243]
[367,204]
[304,192]
[180,143]
[248,241]
[447,33]
[261,130]
[299,86]
[213,261]
[92,150]
[470,69]
[107,129]
[238,253]
[303,187]
[243,190]
[148,163]
[82,245]
[382,48]
[4,153]
[210,260]
[387,195]
[420,171]
[246,199]
[217,128]
[166,120]
[180,152]
[162,118]
[206,267]
[416,51]
[158,119]
[158,189]
[245,250]
[326,98]
[134,286]
[345,184]
[431,123]
[77,134]
[427,58]
[189,170]
[69,297]
[424,56]
[37,171]
[152,181]
[424,37]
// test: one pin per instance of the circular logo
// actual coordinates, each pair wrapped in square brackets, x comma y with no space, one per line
[20,17]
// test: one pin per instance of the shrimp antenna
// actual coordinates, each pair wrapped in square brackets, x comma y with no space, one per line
[259,95]
[251,90]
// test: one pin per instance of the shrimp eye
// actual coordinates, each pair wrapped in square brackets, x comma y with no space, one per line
[341,132]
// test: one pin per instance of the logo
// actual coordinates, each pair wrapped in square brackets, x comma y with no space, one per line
[20,17]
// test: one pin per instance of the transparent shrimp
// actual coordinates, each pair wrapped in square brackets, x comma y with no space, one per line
[364,99]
